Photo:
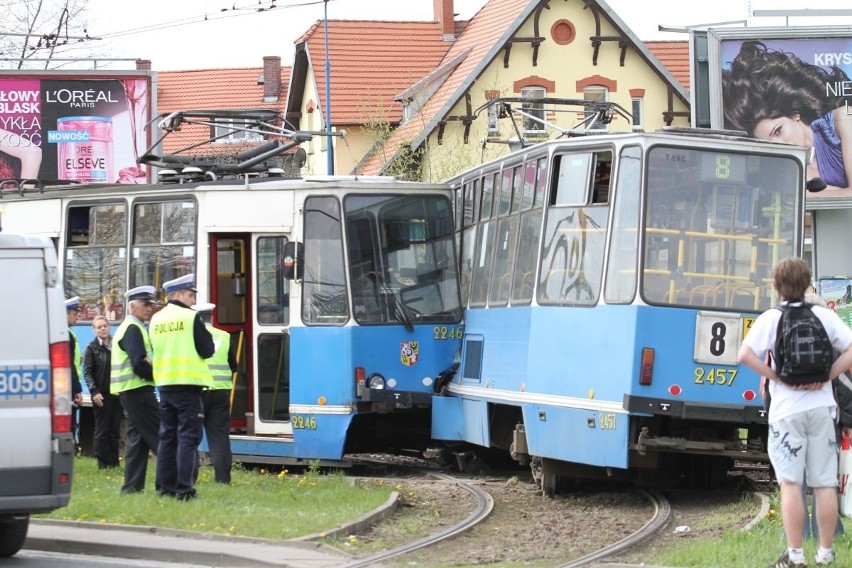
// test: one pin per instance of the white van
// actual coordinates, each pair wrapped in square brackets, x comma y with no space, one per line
[36,439]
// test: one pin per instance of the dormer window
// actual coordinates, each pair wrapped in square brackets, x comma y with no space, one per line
[228,129]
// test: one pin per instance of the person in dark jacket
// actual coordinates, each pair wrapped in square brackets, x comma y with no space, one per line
[107,409]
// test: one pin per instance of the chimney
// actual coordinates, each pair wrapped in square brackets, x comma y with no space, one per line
[445,18]
[271,78]
[143,64]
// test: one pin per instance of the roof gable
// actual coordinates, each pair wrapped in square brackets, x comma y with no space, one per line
[486,34]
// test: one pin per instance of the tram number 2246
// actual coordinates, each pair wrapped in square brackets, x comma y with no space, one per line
[717,341]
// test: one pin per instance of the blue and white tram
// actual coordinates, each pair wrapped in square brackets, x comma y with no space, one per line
[608,282]
[341,294]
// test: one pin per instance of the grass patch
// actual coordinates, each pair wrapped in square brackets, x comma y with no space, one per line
[759,547]
[258,503]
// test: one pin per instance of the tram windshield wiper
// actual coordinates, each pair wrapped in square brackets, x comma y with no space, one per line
[398,307]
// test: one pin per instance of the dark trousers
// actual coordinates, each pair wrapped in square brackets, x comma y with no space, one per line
[217,426]
[143,427]
[180,433]
[107,431]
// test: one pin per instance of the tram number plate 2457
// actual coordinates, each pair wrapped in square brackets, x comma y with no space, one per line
[19,381]
[718,337]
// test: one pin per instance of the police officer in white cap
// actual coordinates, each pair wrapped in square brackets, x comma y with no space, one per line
[181,343]
[132,379]
[217,399]
[72,306]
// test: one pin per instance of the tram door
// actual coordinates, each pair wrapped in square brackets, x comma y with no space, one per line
[271,394]
[230,284]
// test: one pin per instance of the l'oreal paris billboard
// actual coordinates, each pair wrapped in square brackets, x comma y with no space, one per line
[84,128]
[788,85]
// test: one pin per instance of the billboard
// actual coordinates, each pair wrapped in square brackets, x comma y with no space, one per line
[786,85]
[82,128]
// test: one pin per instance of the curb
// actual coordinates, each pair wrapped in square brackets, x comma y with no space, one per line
[764,510]
[360,525]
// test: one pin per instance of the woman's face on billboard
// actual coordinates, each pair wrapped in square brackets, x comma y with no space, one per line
[789,129]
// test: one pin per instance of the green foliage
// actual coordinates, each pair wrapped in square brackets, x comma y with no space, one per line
[259,503]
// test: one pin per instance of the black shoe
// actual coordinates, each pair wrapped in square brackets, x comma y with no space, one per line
[785,562]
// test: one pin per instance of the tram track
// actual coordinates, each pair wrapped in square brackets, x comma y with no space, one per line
[484,506]
[662,514]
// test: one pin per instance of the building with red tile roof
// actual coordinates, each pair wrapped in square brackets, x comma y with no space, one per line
[409,91]
[220,89]
[675,56]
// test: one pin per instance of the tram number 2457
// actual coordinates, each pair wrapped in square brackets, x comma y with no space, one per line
[717,341]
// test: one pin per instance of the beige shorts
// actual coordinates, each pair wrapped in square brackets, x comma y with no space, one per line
[805,441]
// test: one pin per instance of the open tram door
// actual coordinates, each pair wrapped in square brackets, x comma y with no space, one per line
[270,394]
[230,285]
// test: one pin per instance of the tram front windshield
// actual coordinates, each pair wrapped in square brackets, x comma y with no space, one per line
[715,225]
[402,264]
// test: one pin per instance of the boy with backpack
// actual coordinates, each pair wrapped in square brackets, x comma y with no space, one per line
[801,339]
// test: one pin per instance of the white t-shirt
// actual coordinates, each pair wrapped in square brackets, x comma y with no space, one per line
[786,400]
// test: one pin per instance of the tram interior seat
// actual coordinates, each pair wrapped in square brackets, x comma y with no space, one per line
[525,290]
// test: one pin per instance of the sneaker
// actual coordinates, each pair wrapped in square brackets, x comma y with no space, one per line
[825,559]
[785,562]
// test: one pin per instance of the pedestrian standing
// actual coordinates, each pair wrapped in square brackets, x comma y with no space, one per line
[802,438]
[72,307]
[132,380]
[181,343]
[107,409]
[217,399]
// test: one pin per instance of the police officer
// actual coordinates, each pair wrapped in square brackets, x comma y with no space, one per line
[181,343]
[72,305]
[217,399]
[132,379]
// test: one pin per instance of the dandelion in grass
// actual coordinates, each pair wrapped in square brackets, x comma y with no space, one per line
[283,474]
[232,529]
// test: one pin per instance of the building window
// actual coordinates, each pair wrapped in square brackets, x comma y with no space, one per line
[228,129]
[534,110]
[638,118]
[596,94]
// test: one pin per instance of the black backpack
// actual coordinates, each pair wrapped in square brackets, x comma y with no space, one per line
[803,352]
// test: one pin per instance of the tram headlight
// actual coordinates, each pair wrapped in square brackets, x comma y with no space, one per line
[376,382]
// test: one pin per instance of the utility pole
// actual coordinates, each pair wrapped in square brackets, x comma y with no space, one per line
[329,144]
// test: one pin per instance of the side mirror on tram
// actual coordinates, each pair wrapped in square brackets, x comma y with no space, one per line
[815,184]
[294,256]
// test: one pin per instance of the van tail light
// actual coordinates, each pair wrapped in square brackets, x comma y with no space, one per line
[60,374]
[646,371]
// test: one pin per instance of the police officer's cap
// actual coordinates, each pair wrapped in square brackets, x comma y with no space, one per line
[72,304]
[205,307]
[145,293]
[183,283]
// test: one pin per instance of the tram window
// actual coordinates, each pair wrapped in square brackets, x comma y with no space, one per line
[273,293]
[624,240]
[506,192]
[324,284]
[528,240]
[714,226]
[540,182]
[231,298]
[163,242]
[273,376]
[471,200]
[528,193]
[96,259]
[468,247]
[458,204]
[603,169]
[487,195]
[571,179]
[482,263]
[504,261]
[517,188]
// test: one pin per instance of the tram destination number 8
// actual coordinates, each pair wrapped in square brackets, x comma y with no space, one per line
[718,337]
